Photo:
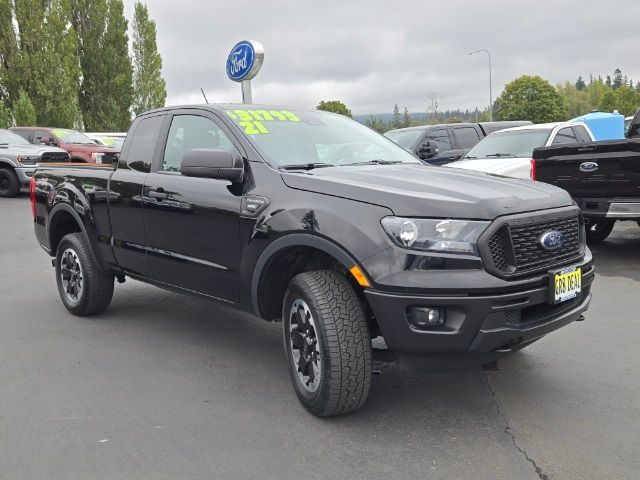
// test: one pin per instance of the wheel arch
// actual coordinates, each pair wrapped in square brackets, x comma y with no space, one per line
[286,257]
[64,219]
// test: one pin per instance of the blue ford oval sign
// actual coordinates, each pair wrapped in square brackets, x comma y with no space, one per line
[551,240]
[245,60]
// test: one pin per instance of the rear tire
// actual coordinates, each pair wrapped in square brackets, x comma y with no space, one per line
[327,343]
[599,229]
[83,287]
[9,183]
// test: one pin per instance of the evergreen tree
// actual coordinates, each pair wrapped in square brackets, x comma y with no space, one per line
[580,85]
[24,113]
[106,90]
[608,81]
[148,85]
[406,118]
[617,79]
[608,102]
[397,120]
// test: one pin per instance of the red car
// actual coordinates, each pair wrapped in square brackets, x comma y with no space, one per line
[80,147]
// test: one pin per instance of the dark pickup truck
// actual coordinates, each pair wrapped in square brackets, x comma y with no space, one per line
[312,219]
[602,177]
[445,143]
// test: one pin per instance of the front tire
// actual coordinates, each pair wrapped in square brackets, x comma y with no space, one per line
[598,230]
[327,343]
[83,287]
[9,183]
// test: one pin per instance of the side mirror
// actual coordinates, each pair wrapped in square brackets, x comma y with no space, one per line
[427,150]
[213,163]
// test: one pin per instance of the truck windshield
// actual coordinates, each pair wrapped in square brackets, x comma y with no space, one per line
[314,138]
[405,138]
[516,143]
[10,138]
[72,136]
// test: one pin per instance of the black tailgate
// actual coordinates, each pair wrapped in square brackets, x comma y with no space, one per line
[599,169]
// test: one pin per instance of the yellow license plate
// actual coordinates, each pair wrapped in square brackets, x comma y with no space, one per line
[567,284]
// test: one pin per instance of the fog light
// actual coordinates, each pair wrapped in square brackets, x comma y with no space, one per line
[424,318]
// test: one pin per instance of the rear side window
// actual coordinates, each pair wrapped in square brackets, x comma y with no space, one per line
[564,135]
[441,139]
[581,134]
[466,137]
[143,144]
[23,133]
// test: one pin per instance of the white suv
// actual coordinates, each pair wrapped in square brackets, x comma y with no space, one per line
[508,152]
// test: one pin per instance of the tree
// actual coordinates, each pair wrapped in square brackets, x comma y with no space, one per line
[531,98]
[608,102]
[617,79]
[406,118]
[24,113]
[397,120]
[580,85]
[335,106]
[5,116]
[375,124]
[608,81]
[434,103]
[42,60]
[577,101]
[106,90]
[149,87]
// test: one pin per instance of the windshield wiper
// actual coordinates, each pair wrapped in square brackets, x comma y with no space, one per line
[305,166]
[377,161]
[500,155]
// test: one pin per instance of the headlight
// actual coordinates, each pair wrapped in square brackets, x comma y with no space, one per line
[28,159]
[435,235]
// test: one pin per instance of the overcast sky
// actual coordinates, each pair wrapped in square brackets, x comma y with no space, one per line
[372,54]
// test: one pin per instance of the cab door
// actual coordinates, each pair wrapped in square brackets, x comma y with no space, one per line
[192,224]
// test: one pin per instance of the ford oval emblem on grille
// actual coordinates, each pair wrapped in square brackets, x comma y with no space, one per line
[588,167]
[551,240]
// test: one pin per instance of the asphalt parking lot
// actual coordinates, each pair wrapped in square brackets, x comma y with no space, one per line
[163,386]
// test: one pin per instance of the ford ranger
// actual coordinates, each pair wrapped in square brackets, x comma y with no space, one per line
[313,219]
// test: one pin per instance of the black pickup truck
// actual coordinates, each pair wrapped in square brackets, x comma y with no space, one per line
[313,219]
[602,177]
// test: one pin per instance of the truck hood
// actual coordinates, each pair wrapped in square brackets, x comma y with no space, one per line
[424,191]
[510,167]
[29,149]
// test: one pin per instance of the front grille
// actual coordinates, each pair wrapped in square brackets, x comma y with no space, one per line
[55,157]
[516,249]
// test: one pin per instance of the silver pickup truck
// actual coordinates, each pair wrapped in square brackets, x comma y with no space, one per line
[18,161]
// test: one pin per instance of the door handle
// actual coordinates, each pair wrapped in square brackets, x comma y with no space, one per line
[158,193]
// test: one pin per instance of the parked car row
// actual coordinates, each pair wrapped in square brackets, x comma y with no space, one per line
[24,148]
[441,144]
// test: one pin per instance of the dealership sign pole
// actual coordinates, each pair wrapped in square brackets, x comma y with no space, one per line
[243,63]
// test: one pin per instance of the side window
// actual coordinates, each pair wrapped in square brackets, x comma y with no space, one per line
[39,135]
[581,134]
[441,139]
[564,135]
[143,144]
[466,137]
[23,133]
[189,132]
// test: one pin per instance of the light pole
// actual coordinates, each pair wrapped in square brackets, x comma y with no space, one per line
[490,86]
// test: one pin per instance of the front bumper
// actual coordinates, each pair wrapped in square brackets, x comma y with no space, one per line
[479,328]
[25,174]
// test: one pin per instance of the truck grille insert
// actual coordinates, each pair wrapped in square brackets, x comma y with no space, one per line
[516,249]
